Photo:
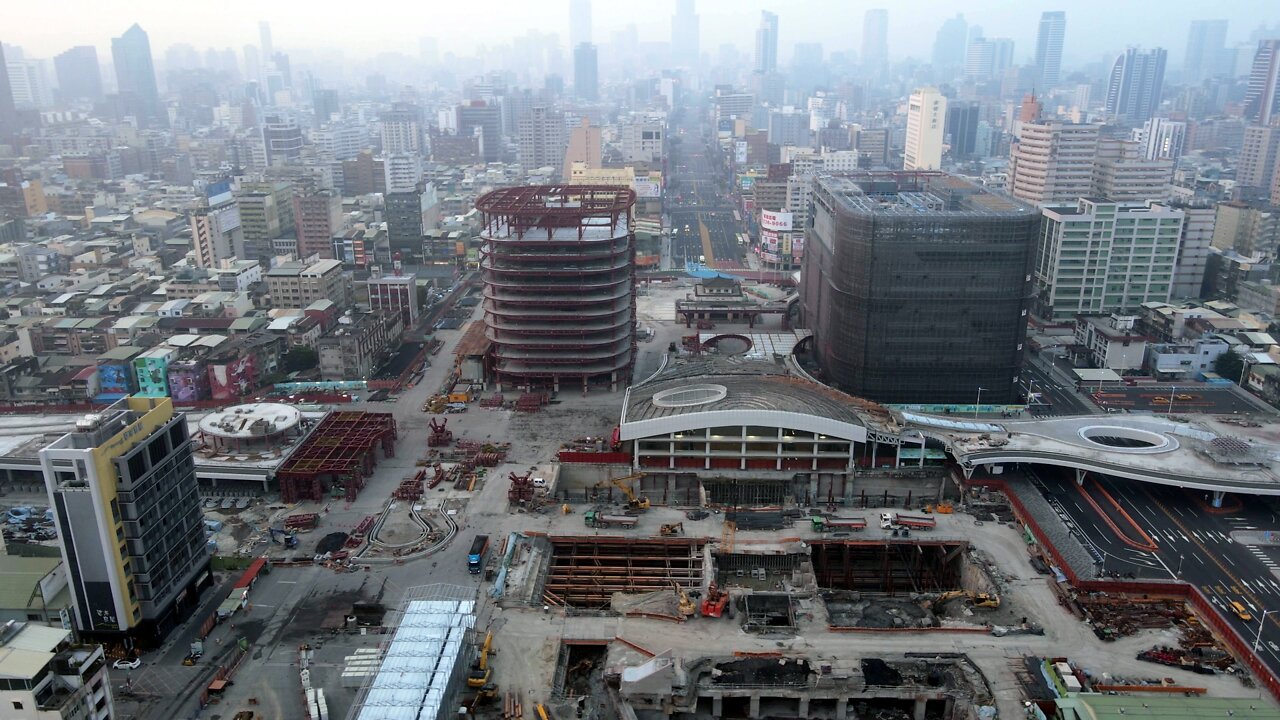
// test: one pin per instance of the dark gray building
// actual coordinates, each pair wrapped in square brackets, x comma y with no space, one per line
[915,286]
[586,73]
[962,127]
[403,211]
[136,75]
[8,111]
[486,120]
[79,77]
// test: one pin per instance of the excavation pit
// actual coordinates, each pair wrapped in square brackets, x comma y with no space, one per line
[586,572]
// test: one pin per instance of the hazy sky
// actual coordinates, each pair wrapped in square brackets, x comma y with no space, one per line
[364,29]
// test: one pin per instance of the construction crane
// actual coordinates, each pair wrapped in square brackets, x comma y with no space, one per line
[687,608]
[481,671]
[634,501]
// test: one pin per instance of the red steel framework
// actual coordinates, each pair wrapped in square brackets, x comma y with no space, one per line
[558,263]
[342,450]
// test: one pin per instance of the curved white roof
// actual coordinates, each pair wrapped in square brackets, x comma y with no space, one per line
[250,420]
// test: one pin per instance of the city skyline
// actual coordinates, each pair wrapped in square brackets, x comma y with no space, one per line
[911,28]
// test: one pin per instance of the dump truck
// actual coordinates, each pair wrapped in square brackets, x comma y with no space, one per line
[913,522]
[596,519]
[826,524]
[475,558]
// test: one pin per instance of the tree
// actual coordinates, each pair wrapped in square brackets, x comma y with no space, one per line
[300,358]
[1229,365]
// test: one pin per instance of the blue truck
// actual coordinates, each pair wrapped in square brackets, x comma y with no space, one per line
[475,558]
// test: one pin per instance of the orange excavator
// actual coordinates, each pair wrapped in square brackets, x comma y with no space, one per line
[714,603]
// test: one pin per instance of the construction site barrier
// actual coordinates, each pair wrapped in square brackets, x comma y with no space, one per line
[1208,613]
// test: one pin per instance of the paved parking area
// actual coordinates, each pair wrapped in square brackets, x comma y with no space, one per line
[1175,399]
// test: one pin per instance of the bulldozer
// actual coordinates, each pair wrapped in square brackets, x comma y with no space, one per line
[672,529]
[687,608]
[481,671]
[982,600]
[634,502]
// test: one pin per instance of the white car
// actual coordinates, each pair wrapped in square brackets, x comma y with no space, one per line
[125,664]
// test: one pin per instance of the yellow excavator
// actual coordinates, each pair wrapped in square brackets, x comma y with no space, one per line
[480,672]
[982,600]
[634,501]
[687,608]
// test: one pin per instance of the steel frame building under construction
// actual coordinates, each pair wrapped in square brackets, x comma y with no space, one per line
[559,285]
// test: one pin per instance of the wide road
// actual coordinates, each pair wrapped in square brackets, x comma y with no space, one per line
[704,225]
[1216,549]
[1062,396]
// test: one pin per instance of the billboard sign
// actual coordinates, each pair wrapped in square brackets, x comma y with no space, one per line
[778,221]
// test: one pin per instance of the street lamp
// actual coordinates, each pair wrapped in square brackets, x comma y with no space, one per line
[1172,389]
[1180,558]
[1258,640]
[978,404]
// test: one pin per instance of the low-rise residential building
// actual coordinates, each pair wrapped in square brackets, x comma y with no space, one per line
[358,345]
[46,675]
[1185,360]
[297,285]
[1112,342]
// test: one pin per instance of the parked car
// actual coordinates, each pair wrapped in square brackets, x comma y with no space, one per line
[127,664]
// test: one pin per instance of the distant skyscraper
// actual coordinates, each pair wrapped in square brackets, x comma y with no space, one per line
[926,125]
[586,79]
[1133,90]
[579,22]
[8,113]
[988,58]
[78,75]
[685,34]
[264,35]
[767,43]
[1206,48]
[135,73]
[542,138]
[1262,96]
[1053,29]
[875,41]
[950,44]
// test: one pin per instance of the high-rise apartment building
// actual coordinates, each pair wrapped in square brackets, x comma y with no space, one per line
[767,43]
[282,138]
[122,487]
[1049,40]
[79,77]
[916,286]
[266,213]
[1206,50]
[541,140]
[1262,94]
[1256,167]
[685,34]
[586,145]
[403,172]
[216,233]
[875,42]
[1099,256]
[1193,246]
[487,119]
[1135,84]
[1246,228]
[403,210]
[988,58]
[950,45]
[1121,173]
[30,87]
[136,75]
[586,73]
[8,111]
[317,217]
[1163,139]
[926,130]
[1053,162]
[579,22]
[401,130]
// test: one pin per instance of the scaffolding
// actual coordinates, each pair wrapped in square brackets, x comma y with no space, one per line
[424,666]
[559,285]
[341,452]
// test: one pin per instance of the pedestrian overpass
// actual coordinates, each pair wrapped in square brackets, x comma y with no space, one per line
[1217,454]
